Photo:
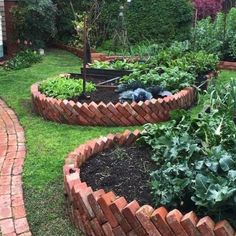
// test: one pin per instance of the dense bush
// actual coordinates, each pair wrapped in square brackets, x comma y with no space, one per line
[64,88]
[195,157]
[35,21]
[160,20]
[23,59]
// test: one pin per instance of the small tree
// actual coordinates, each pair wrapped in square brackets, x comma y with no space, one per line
[34,20]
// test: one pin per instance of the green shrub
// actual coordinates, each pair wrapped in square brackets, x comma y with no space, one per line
[64,88]
[23,59]
[195,157]
[35,21]
[159,21]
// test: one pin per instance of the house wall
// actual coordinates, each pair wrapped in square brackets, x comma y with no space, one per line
[2,13]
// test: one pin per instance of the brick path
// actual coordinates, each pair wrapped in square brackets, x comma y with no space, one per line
[12,154]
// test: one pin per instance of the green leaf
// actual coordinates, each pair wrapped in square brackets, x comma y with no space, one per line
[226,163]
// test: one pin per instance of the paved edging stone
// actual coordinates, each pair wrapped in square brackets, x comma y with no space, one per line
[13,221]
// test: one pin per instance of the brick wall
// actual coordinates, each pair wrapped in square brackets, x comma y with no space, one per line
[100,213]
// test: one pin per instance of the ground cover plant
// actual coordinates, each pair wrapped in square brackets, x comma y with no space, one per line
[47,143]
[23,59]
[195,157]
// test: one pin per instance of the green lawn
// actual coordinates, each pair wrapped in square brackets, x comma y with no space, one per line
[48,143]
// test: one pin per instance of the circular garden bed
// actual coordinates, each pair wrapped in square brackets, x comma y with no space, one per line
[110,114]
[104,213]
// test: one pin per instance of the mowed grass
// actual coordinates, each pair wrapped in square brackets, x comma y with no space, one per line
[48,143]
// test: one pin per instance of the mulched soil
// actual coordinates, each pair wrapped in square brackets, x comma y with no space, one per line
[124,170]
[105,95]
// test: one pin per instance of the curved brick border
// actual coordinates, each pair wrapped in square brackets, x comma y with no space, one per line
[99,213]
[12,153]
[122,114]
[227,65]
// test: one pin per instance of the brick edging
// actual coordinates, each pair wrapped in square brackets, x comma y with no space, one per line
[227,65]
[95,55]
[105,214]
[119,114]
[13,219]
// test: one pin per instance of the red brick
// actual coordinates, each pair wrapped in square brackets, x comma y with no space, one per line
[105,201]
[223,228]
[189,222]
[116,207]
[82,198]
[206,226]
[17,200]
[96,227]
[19,212]
[132,233]
[118,231]
[173,218]
[5,212]
[5,200]
[92,199]
[158,218]
[107,229]
[129,212]
[75,190]
[7,226]
[21,225]
[143,215]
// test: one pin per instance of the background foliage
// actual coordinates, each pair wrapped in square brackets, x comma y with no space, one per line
[35,21]
[160,20]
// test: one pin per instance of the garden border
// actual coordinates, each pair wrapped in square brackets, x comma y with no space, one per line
[119,114]
[227,65]
[106,214]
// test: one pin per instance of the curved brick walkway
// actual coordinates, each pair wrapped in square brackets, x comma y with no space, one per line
[12,153]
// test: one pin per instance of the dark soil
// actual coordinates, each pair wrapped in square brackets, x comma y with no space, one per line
[105,95]
[124,170]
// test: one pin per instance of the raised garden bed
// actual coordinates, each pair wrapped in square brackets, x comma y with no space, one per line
[96,212]
[110,114]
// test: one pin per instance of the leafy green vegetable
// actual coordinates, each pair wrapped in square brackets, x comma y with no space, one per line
[64,88]
[172,79]
[196,156]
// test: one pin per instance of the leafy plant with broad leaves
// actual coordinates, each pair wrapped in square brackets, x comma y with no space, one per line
[196,157]
[64,88]
[23,59]
[218,36]
[172,79]
[197,63]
